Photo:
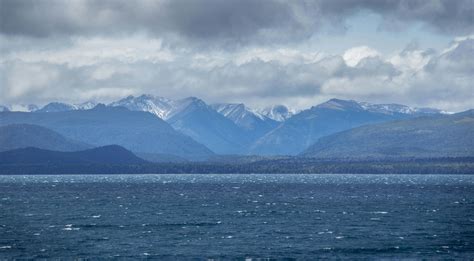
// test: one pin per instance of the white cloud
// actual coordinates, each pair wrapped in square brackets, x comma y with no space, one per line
[23,79]
[354,55]
[104,69]
[90,51]
[411,60]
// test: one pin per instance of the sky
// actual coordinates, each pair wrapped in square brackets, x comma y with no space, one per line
[297,53]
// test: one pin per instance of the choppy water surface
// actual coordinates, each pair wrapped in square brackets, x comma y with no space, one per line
[237,216]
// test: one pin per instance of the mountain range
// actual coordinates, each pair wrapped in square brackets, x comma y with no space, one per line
[304,128]
[140,132]
[223,128]
[424,137]
[190,129]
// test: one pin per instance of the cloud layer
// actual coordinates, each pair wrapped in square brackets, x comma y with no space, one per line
[229,22]
[419,77]
[235,51]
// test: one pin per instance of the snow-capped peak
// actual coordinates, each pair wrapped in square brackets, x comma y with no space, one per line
[351,105]
[338,104]
[86,105]
[397,108]
[159,106]
[61,106]
[236,111]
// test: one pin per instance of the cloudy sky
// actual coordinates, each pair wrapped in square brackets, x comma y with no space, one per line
[259,52]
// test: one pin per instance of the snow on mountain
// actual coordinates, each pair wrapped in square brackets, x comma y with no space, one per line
[201,122]
[397,108]
[390,109]
[277,112]
[254,123]
[239,113]
[159,106]
[236,111]
[340,105]
[86,105]
[61,106]
[305,128]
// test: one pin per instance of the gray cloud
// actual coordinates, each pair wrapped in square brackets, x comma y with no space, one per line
[232,22]
[445,16]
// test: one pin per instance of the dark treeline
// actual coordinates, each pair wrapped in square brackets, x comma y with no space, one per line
[288,165]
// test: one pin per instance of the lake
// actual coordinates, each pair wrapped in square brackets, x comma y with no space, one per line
[237,216]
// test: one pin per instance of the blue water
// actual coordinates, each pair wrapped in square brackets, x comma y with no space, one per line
[237,216]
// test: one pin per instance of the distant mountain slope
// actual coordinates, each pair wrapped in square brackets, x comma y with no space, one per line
[57,107]
[254,123]
[111,154]
[198,120]
[305,128]
[17,136]
[136,131]
[439,136]
[398,109]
